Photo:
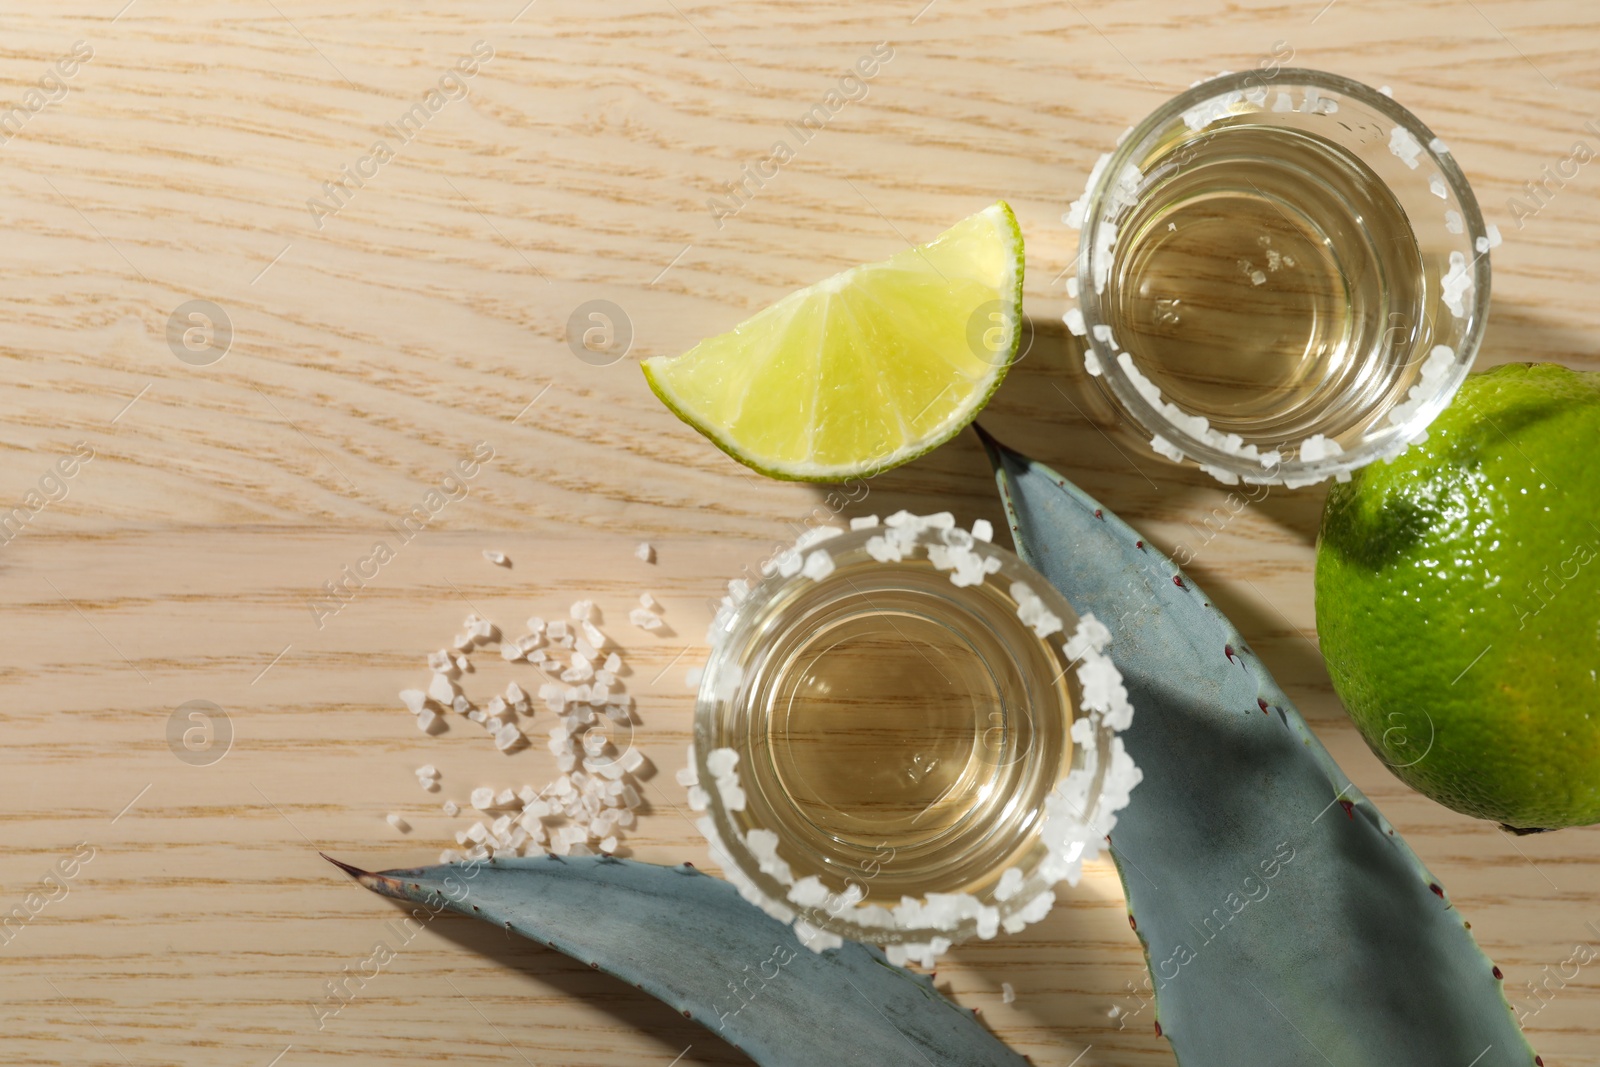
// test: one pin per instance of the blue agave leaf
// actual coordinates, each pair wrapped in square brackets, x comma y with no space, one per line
[691,941]
[1285,923]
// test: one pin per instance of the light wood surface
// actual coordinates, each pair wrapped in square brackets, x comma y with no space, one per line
[430,312]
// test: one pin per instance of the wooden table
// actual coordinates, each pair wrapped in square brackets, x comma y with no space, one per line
[380,330]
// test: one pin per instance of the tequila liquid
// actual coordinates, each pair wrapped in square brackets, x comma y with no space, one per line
[902,731]
[1268,280]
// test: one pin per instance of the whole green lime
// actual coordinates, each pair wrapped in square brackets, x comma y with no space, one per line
[1458,600]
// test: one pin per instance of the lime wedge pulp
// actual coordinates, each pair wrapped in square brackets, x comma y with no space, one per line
[865,370]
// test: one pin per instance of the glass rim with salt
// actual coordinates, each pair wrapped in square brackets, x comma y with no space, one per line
[1056,788]
[1414,164]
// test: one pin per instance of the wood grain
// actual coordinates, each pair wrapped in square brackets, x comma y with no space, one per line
[429,313]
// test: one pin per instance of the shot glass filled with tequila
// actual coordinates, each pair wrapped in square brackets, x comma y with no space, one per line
[1281,276]
[891,742]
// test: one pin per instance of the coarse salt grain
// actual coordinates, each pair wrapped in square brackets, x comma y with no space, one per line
[1008,995]
[819,564]
[497,558]
[1405,146]
[645,551]
[398,823]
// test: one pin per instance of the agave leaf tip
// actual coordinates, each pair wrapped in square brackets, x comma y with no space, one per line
[378,883]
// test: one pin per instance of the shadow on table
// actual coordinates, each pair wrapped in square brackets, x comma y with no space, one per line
[1049,408]
[626,1004]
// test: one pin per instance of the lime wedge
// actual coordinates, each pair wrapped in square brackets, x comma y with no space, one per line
[866,370]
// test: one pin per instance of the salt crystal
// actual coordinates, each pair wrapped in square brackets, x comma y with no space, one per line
[512,653]
[1405,146]
[1455,285]
[460,705]
[414,700]
[1008,995]
[583,610]
[608,845]
[819,564]
[497,558]
[440,662]
[398,823]
[648,601]
[1166,448]
[442,689]
[983,530]
[1452,221]
[426,720]
[645,551]
[451,808]
[427,770]
[483,798]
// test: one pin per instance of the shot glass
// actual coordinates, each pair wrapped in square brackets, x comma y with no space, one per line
[891,741]
[1281,276]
